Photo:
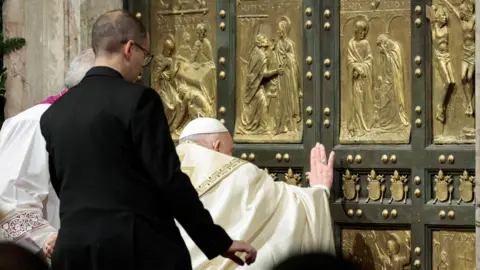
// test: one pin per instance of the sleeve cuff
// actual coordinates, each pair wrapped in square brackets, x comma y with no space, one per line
[32,233]
[327,190]
[221,245]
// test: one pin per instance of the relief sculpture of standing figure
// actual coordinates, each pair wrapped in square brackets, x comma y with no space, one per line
[466,15]
[203,59]
[442,261]
[394,116]
[395,258]
[289,87]
[166,70]
[440,41]
[360,61]
[254,117]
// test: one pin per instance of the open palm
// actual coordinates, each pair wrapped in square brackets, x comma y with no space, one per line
[321,170]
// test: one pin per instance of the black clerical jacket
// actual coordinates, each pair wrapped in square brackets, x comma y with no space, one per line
[114,167]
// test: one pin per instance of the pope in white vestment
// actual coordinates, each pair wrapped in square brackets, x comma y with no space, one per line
[29,207]
[277,219]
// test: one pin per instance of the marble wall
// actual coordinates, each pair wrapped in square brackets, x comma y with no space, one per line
[55,31]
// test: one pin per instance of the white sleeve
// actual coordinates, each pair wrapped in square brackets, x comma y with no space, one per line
[327,190]
[24,184]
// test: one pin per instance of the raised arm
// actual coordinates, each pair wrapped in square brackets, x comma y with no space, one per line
[24,184]
[151,136]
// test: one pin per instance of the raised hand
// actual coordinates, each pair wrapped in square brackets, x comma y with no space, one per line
[321,170]
[241,246]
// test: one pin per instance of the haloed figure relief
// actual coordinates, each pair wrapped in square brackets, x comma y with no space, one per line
[377,249]
[288,91]
[390,108]
[375,89]
[166,86]
[254,117]
[453,45]
[269,88]
[360,70]
[183,71]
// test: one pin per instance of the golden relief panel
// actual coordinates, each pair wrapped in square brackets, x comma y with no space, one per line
[376,188]
[375,54]
[447,188]
[377,249]
[268,73]
[453,250]
[183,71]
[452,25]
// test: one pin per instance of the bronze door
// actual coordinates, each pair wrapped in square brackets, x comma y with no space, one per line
[385,84]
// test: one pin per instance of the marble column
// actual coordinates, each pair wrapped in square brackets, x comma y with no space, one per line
[55,31]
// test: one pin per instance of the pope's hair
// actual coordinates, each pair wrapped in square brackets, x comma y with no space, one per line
[79,67]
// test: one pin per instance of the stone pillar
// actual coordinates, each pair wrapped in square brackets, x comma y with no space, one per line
[55,31]
[80,17]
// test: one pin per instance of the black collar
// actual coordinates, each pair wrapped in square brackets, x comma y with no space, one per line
[103,71]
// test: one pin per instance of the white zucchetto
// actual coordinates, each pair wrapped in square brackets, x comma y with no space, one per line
[203,125]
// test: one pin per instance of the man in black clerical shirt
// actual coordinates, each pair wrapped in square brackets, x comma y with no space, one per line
[114,167]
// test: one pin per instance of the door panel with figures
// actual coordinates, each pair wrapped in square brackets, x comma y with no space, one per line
[388,85]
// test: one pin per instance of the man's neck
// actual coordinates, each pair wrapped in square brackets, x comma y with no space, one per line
[110,62]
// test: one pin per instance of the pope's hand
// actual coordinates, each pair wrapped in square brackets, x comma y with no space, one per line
[241,246]
[49,245]
[321,170]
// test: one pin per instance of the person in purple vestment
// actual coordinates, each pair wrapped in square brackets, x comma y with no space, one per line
[52,99]
[29,206]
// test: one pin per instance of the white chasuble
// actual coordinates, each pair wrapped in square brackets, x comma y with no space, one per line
[277,219]
[29,207]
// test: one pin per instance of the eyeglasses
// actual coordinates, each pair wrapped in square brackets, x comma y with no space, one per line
[148,57]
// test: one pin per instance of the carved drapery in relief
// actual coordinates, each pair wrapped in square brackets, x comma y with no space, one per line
[269,88]
[184,71]
[375,89]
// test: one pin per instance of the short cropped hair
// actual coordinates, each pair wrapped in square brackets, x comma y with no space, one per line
[79,66]
[115,27]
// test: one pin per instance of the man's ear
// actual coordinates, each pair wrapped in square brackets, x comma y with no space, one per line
[128,49]
[216,146]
